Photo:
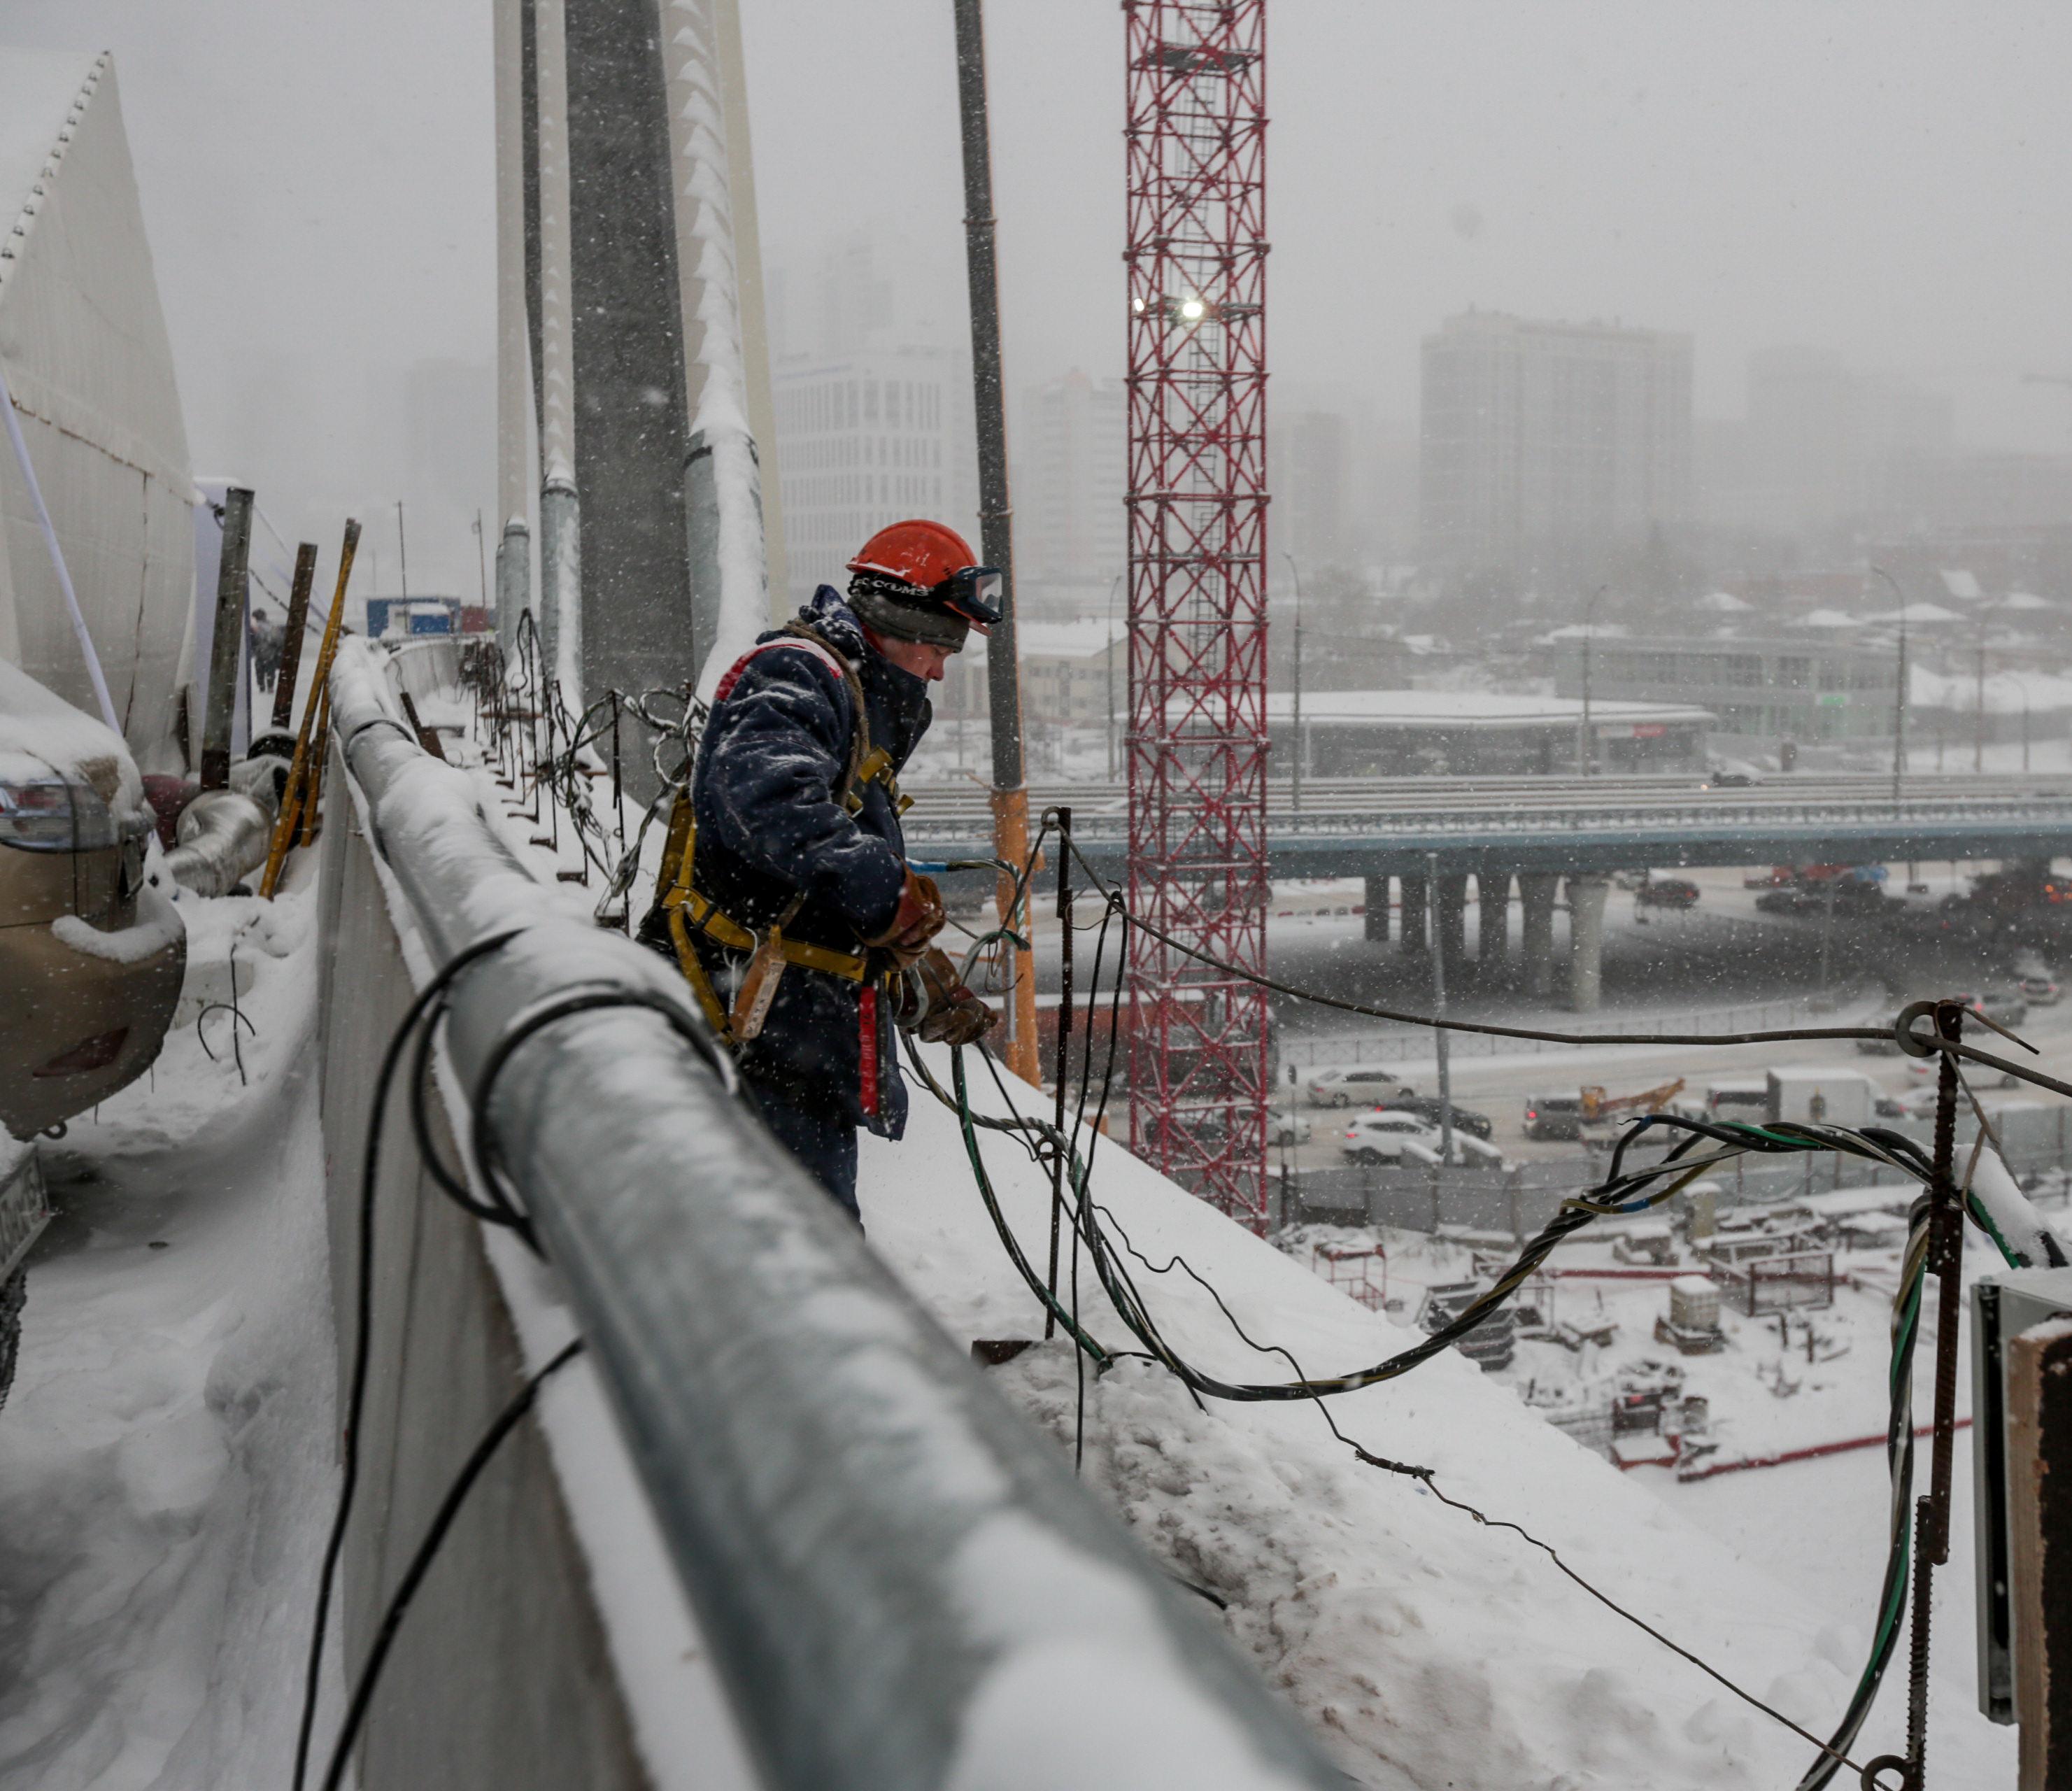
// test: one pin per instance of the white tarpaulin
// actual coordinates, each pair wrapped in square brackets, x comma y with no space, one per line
[86,354]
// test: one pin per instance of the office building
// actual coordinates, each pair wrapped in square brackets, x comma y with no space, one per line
[864,442]
[1546,446]
[1070,468]
[1309,470]
[1764,691]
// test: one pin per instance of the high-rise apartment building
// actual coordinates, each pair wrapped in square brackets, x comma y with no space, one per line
[1309,470]
[1544,446]
[1069,469]
[1827,443]
[866,441]
[872,400]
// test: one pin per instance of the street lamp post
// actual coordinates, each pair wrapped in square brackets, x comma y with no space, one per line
[1586,746]
[1436,936]
[1979,716]
[1296,571]
[1900,693]
[1108,660]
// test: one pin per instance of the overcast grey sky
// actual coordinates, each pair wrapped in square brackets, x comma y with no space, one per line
[1887,178]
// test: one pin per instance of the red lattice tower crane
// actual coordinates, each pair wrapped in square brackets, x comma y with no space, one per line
[1196,142]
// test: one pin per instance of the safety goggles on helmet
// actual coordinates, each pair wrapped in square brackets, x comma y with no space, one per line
[972,592]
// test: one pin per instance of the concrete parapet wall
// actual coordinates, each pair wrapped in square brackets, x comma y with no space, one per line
[500,1675]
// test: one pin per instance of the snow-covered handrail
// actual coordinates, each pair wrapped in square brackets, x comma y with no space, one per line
[901,1581]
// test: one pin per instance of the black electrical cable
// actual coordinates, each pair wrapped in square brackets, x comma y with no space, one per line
[413,1575]
[433,991]
[547,1012]
[1614,1193]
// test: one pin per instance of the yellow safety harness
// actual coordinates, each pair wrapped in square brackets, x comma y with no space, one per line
[689,907]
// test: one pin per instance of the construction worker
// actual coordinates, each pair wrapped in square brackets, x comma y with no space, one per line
[785,894]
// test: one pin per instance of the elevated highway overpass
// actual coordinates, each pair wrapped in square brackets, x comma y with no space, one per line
[1574,826]
[1433,833]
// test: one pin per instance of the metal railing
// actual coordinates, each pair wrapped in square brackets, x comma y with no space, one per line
[1560,808]
[875,1542]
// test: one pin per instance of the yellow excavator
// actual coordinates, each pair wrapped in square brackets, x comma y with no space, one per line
[1597,1105]
[1600,1110]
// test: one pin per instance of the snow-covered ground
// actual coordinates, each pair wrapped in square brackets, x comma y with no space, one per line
[166,1454]
[166,1459]
[1428,1650]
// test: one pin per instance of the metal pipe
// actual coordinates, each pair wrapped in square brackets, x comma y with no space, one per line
[882,1555]
[223,837]
[291,643]
[227,639]
[1003,670]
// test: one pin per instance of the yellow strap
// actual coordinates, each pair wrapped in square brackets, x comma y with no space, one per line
[730,933]
[694,973]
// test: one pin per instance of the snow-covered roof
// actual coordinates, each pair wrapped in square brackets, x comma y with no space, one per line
[1723,603]
[2005,692]
[1915,614]
[2026,600]
[1436,709]
[1586,631]
[1084,639]
[1827,619]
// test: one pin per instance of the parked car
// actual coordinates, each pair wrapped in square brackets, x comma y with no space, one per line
[1730,774]
[1912,1103]
[1356,1087]
[1788,901]
[1667,892]
[2003,1006]
[1469,1153]
[1426,1108]
[1379,1137]
[1284,1127]
[2040,991]
[91,959]
[1558,1117]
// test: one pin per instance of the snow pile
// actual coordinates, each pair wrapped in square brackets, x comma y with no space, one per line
[1427,1650]
[168,1453]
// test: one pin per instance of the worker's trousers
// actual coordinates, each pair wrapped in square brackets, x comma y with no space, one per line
[822,1137]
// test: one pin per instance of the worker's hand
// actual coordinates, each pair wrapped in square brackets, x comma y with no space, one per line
[937,1006]
[918,918]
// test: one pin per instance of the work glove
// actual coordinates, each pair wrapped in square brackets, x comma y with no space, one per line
[936,1007]
[917,920]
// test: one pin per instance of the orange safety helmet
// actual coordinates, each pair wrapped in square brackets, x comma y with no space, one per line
[937,562]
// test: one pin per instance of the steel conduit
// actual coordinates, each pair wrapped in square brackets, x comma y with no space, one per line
[898,1577]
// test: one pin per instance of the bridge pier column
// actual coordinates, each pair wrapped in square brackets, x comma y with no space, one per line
[1586,942]
[1416,893]
[1452,913]
[1492,932]
[1377,910]
[1535,900]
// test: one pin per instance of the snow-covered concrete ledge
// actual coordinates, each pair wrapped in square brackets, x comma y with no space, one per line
[894,1574]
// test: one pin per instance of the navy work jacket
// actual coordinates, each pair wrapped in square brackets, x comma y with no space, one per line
[767,795]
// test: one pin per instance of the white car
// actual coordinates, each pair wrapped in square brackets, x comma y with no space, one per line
[1283,1127]
[1358,1087]
[1469,1152]
[1380,1137]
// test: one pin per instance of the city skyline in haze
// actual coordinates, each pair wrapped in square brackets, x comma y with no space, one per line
[1878,181]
